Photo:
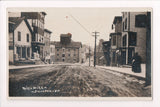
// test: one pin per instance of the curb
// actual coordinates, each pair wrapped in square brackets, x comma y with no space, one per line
[138,77]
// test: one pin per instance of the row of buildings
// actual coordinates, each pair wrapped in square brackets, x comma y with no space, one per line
[29,42]
[129,37]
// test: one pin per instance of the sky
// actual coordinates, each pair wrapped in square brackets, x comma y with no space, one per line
[80,22]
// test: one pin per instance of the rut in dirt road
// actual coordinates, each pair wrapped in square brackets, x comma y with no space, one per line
[74,80]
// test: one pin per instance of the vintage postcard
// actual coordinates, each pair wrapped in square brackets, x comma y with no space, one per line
[79,52]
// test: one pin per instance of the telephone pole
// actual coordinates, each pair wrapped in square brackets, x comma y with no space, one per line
[95,35]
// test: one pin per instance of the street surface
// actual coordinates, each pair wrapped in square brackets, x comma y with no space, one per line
[74,80]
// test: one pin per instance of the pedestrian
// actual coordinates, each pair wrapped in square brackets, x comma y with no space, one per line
[136,63]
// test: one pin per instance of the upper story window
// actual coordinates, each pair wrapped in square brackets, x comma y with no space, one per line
[114,40]
[140,20]
[125,27]
[63,49]
[19,36]
[132,39]
[27,37]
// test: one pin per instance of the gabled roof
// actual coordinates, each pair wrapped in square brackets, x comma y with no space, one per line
[70,45]
[15,21]
[117,18]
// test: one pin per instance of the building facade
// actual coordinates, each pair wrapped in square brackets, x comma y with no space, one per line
[133,36]
[52,52]
[106,51]
[115,40]
[46,48]
[19,40]
[67,50]
[100,58]
[36,20]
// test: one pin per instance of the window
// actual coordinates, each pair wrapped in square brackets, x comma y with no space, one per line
[124,40]
[69,55]
[27,37]
[57,59]
[114,40]
[74,54]
[57,49]
[132,39]
[63,60]
[57,54]
[63,55]
[140,20]
[19,36]
[125,24]
[68,50]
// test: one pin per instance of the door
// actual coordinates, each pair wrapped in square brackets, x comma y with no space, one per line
[23,52]
[123,57]
[130,55]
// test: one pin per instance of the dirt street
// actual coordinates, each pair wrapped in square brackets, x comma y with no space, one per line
[74,80]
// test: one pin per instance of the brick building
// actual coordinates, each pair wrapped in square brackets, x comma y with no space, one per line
[133,36]
[67,50]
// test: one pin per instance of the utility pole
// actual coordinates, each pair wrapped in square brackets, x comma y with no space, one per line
[95,35]
[89,55]
[148,50]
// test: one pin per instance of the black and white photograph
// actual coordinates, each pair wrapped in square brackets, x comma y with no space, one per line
[79,52]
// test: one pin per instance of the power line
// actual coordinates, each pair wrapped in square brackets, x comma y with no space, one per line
[79,23]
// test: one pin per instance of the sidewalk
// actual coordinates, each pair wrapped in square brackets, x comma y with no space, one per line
[27,66]
[127,70]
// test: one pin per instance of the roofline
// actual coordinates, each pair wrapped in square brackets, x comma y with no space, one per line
[115,19]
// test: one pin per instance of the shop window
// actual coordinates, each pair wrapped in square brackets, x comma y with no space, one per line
[140,20]
[124,40]
[19,52]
